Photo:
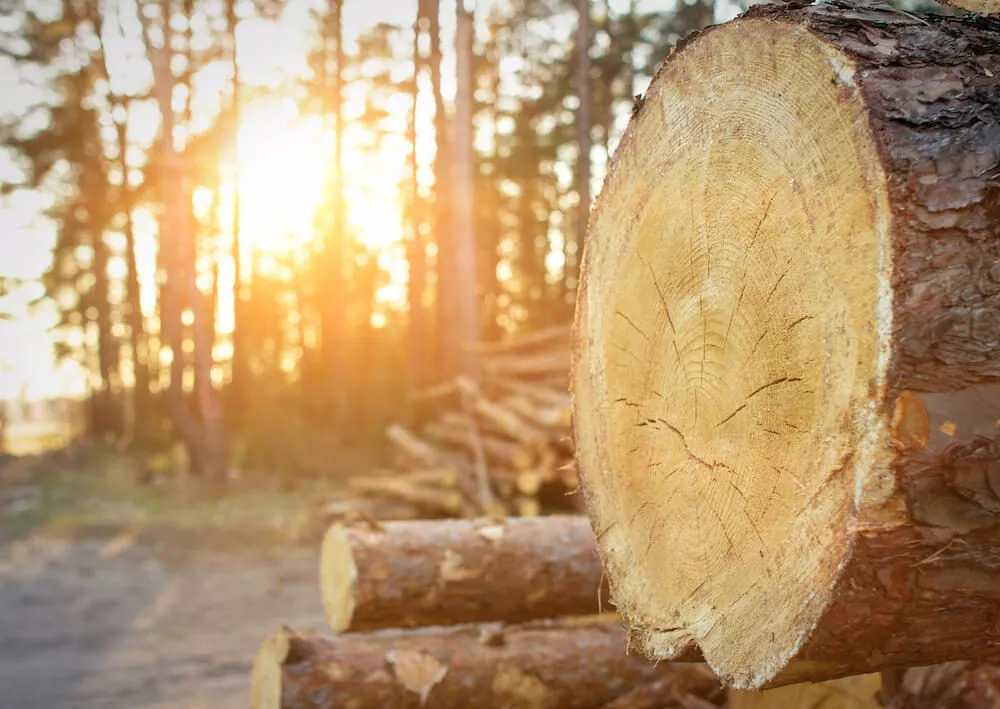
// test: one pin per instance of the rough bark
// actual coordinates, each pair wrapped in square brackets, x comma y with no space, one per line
[787,359]
[410,574]
[572,664]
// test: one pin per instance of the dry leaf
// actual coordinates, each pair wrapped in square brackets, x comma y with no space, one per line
[417,671]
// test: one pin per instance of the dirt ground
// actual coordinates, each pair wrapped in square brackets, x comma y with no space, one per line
[120,622]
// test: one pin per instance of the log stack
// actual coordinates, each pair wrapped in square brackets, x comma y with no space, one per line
[482,613]
[496,445]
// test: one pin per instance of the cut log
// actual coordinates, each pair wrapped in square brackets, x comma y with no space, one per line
[497,450]
[411,574]
[787,350]
[981,7]
[530,365]
[547,396]
[498,417]
[689,686]
[555,336]
[551,417]
[858,692]
[414,447]
[951,685]
[431,499]
[572,664]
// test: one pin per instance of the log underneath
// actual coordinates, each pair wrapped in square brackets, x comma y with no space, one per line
[982,7]
[787,349]
[951,685]
[858,692]
[575,664]
[410,574]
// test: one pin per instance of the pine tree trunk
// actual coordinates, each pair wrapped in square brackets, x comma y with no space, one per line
[172,243]
[239,369]
[444,271]
[416,252]
[787,354]
[583,125]
[334,323]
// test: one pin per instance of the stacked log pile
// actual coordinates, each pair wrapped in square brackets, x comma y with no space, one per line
[480,613]
[497,445]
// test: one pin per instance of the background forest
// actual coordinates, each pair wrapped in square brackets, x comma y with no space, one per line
[273,222]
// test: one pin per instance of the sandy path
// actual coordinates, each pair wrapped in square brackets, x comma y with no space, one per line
[109,624]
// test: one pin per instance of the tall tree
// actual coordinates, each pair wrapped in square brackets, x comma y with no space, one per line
[204,435]
[444,266]
[334,329]
[240,370]
[583,126]
[416,253]
[466,325]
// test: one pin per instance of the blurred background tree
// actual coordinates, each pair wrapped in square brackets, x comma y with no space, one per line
[271,222]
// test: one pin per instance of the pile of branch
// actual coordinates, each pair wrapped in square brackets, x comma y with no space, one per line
[499,444]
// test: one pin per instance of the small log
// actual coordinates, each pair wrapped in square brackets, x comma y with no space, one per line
[411,574]
[534,365]
[557,335]
[689,686]
[415,448]
[578,663]
[497,450]
[859,692]
[500,418]
[447,502]
[980,7]
[950,685]
[787,351]
[545,395]
[549,417]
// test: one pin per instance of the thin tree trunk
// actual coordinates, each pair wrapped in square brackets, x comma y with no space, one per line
[172,239]
[239,371]
[417,249]
[467,293]
[444,300]
[583,125]
[334,326]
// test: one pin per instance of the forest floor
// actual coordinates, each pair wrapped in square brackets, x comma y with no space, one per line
[116,593]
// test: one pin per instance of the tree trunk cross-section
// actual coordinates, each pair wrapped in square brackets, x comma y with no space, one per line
[787,347]
[574,664]
[420,573]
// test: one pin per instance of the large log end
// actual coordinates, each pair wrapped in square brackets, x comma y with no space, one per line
[265,678]
[338,574]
